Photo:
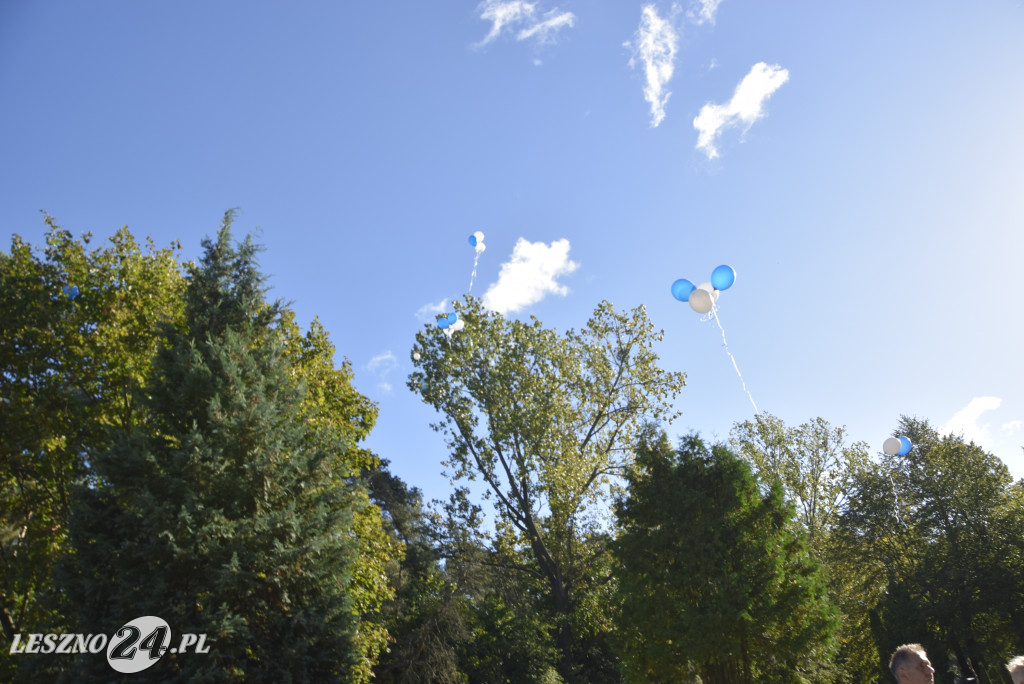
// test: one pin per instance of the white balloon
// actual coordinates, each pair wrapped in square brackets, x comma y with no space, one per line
[416,356]
[480,247]
[710,289]
[700,301]
[892,446]
[479,236]
[458,325]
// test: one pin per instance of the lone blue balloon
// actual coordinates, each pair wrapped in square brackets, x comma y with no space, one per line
[723,277]
[682,288]
[472,240]
[905,446]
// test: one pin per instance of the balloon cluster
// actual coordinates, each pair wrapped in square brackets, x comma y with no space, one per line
[702,297]
[71,291]
[897,447]
[476,240]
[450,324]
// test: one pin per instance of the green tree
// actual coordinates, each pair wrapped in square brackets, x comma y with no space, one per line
[714,578]
[331,402]
[547,423]
[229,514]
[933,531]
[812,462]
[817,467]
[70,375]
[429,618]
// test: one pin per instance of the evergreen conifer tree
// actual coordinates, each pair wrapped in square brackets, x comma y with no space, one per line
[225,517]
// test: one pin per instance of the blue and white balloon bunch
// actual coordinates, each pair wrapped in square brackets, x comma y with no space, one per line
[897,446]
[702,297]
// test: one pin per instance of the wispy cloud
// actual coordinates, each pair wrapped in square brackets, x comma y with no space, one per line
[703,11]
[656,43]
[428,312]
[516,14]
[382,362]
[530,275]
[545,30]
[965,421]
[745,107]
[1009,429]
[381,365]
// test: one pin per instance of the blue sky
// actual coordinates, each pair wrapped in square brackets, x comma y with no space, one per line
[860,165]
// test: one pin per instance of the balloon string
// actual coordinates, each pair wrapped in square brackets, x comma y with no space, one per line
[476,260]
[714,314]
[896,502]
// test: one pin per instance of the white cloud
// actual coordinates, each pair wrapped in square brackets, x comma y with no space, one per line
[705,13]
[656,46]
[516,13]
[429,312]
[381,365]
[530,275]
[965,421]
[1010,428]
[745,107]
[501,14]
[382,362]
[544,30]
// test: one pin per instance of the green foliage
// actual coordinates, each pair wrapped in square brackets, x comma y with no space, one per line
[812,462]
[935,535]
[70,378]
[548,423]
[229,513]
[713,577]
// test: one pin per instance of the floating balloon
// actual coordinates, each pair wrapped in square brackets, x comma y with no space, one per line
[710,290]
[905,446]
[701,301]
[452,318]
[723,277]
[477,241]
[892,446]
[442,322]
[457,325]
[682,288]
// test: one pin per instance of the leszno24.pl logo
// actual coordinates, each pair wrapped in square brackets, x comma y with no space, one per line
[133,648]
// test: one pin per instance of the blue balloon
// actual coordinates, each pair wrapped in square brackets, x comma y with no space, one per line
[443,323]
[905,446]
[682,288]
[472,240]
[453,318]
[723,277]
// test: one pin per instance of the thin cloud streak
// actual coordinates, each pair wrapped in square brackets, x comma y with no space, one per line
[656,46]
[428,312]
[516,13]
[501,14]
[745,107]
[544,30]
[383,362]
[530,275]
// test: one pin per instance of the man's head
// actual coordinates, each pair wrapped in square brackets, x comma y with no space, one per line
[909,665]
[1016,668]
